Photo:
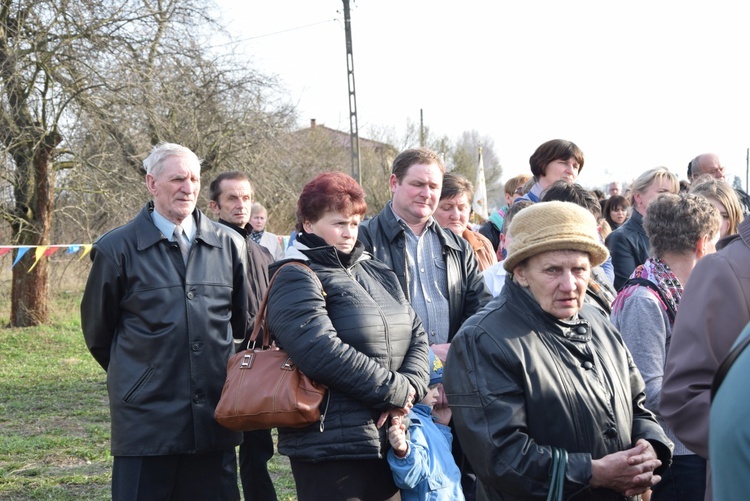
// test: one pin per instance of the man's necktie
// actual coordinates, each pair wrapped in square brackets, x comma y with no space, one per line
[181,243]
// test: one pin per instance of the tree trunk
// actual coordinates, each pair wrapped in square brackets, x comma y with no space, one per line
[30,292]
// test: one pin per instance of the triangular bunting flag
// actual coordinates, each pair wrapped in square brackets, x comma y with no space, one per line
[21,252]
[86,250]
[38,253]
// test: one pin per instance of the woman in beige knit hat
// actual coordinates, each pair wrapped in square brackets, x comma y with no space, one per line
[539,382]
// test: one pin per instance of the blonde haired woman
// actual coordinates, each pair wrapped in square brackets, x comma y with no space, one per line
[629,244]
[724,198]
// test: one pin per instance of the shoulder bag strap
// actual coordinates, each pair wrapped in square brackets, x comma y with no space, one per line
[721,372]
[260,319]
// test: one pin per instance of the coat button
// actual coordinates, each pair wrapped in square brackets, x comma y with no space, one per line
[611,432]
[587,365]
[582,329]
[196,399]
[190,295]
[196,346]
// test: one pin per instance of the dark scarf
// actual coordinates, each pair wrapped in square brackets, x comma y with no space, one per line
[256,235]
[313,241]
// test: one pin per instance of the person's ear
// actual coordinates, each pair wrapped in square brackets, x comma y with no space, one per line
[637,198]
[703,247]
[214,207]
[151,183]
[519,274]
[393,182]
[307,226]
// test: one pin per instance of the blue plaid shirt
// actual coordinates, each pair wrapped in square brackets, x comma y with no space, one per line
[428,280]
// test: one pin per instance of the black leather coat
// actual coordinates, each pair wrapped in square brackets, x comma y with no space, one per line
[628,245]
[384,237]
[163,333]
[258,260]
[520,382]
[362,340]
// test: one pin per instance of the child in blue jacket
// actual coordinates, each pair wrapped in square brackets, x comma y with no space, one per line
[422,465]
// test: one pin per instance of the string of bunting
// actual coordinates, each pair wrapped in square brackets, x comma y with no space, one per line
[41,251]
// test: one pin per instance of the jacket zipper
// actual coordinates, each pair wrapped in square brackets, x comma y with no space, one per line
[380,310]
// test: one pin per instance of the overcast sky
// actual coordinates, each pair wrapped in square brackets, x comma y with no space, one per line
[635,84]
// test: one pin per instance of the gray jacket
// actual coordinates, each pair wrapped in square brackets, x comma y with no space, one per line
[163,332]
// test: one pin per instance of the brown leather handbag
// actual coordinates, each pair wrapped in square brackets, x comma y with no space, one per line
[264,388]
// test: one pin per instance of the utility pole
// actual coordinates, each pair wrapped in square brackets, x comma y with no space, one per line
[421,128]
[353,126]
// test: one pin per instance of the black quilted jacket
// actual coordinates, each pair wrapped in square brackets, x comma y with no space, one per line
[360,338]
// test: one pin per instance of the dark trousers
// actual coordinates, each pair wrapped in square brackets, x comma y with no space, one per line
[468,477]
[350,480]
[173,477]
[255,452]
[684,480]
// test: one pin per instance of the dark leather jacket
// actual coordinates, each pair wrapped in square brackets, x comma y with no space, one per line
[258,259]
[520,382]
[163,333]
[384,237]
[361,339]
[628,245]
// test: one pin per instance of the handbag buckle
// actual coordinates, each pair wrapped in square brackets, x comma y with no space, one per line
[247,361]
[288,365]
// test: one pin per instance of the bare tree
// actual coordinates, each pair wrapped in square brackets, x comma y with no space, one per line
[299,156]
[464,158]
[87,87]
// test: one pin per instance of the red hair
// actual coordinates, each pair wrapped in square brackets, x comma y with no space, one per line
[330,192]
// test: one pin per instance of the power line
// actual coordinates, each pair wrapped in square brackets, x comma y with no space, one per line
[290,29]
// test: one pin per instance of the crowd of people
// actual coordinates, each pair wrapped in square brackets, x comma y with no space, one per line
[565,347]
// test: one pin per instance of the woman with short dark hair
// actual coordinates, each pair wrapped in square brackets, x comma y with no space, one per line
[555,160]
[616,210]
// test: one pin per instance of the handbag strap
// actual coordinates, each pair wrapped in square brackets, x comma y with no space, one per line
[261,322]
[557,475]
[721,372]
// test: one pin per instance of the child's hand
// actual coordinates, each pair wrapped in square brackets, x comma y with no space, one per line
[397,436]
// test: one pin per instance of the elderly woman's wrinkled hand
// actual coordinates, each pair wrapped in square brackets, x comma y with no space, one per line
[630,472]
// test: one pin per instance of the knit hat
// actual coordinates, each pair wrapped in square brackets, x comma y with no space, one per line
[550,226]
[436,369]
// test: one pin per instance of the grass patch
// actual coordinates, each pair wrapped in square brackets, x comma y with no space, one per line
[54,413]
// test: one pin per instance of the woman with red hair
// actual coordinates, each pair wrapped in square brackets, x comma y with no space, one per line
[358,336]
